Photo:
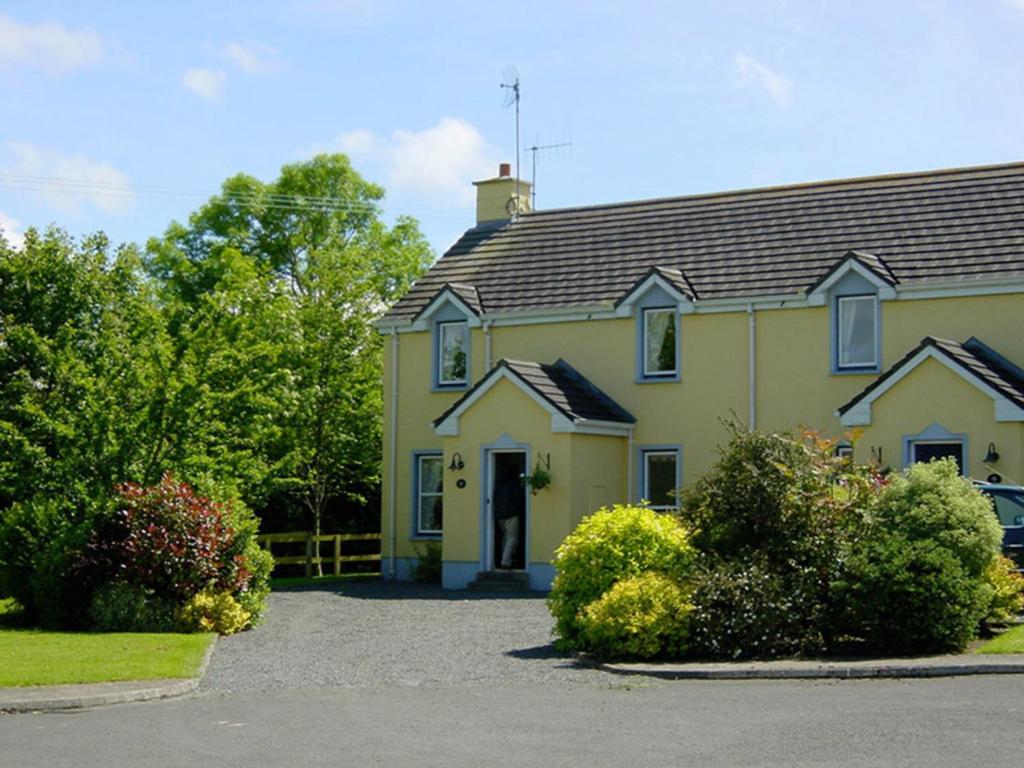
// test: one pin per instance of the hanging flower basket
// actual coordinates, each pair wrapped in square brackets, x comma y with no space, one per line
[537,480]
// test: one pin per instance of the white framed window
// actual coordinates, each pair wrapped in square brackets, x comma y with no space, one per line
[660,346]
[844,450]
[429,494]
[452,354]
[856,332]
[660,477]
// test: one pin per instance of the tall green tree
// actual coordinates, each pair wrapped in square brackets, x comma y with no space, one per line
[312,251]
[83,358]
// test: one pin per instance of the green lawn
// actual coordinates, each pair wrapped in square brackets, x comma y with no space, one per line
[31,656]
[1011,641]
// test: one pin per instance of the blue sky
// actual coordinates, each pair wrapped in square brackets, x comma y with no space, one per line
[140,110]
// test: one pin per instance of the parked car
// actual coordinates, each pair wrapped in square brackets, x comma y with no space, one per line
[1008,501]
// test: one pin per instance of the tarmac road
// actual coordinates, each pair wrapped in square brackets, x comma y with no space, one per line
[935,723]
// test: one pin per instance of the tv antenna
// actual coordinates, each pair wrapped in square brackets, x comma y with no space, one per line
[533,176]
[511,84]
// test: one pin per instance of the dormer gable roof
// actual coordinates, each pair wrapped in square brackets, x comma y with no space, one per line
[671,281]
[869,266]
[464,297]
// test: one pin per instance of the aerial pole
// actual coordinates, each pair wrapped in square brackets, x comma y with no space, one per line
[512,99]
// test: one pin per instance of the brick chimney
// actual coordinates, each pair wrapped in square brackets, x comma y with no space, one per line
[496,198]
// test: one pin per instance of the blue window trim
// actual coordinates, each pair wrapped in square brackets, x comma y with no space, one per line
[642,377]
[435,365]
[641,475]
[834,368]
[415,534]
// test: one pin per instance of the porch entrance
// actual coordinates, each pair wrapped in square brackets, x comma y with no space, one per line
[506,509]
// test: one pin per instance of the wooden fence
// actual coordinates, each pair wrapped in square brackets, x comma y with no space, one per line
[313,543]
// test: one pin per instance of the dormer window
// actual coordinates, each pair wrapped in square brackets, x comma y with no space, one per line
[452,351]
[660,349]
[857,332]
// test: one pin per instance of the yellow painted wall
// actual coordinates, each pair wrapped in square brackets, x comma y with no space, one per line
[794,387]
[931,394]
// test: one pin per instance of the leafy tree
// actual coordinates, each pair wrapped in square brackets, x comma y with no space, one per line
[311,249]
[83,350]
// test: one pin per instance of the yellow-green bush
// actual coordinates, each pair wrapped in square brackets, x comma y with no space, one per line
[607,547]
[214,612]
[1007,587]
[640,617]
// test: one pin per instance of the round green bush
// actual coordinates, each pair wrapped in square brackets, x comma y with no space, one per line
[748,609]
[933,502]
[911,597]
[640,617]
[607,547]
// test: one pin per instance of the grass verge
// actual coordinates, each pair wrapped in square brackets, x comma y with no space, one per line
[1010,641]
[30,656]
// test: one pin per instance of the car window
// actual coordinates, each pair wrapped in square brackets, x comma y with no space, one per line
[1010,508]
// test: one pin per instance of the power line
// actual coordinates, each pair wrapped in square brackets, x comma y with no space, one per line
[274,201]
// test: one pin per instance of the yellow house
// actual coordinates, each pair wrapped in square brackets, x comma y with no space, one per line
[599,348]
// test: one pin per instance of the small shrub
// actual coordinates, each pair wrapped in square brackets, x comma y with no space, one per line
[640,617]
[606,547]
[1005,587]
[911,597]
[120,607]
[747,609]
[932,502]
[428,564]
[213,612]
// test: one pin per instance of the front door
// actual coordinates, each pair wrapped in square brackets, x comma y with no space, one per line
[506,510]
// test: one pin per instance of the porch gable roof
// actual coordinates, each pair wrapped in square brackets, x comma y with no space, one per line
[575,404]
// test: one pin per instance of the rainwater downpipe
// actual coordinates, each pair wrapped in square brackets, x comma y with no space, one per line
[487,346]
[629,466]
[393,454]
[752,364]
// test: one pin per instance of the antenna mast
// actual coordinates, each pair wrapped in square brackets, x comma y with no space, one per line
[533,177]
[512,84]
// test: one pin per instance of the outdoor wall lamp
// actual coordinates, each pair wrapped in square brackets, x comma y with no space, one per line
[457,462]
[992,456]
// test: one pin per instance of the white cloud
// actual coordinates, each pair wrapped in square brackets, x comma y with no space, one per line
[1018,4]
[10,229]
[752,72]
[253,58]
[68,181]
[436,162]
[207,84]
[49,46]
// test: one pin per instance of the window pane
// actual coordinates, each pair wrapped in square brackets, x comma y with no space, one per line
[430,506]
[857,331]
[660,342]
[431,513]
[431,474]
[454,342]
[660,479]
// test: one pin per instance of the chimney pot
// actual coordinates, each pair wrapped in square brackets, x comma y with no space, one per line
[505,170]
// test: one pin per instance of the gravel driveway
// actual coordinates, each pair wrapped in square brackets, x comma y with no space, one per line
[380,633]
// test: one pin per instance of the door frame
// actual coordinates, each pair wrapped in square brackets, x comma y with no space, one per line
[504,444]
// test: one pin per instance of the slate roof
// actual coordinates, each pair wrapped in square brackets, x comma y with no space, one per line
[973,356]
[561,385]
[958,224]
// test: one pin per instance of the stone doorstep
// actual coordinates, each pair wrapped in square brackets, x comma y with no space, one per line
[49,698]
[930,666]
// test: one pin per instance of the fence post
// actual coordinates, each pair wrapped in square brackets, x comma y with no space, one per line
[309,555]
[337,554]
